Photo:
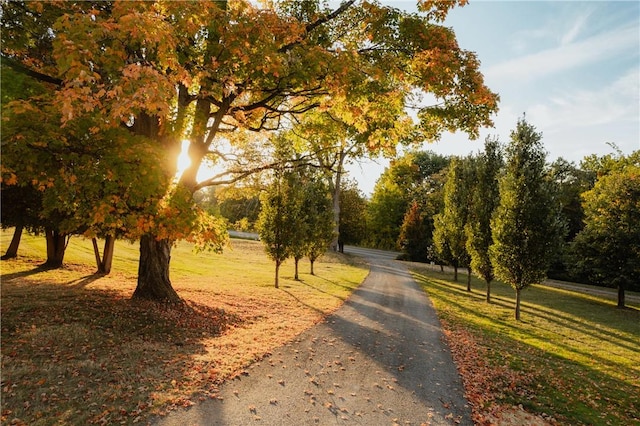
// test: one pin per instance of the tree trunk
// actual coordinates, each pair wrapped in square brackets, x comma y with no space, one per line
[488,291]
[56,246]
[96,253]
[455,273]
[153,271]
[468,279]
[312,262]
[518,304]
[336,201]
[12,251]
[104,264]
[107,253]
[621,296]
[296,260]
[277,273]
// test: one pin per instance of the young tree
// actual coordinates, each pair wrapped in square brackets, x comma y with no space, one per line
[278,220]
[608,248]
[317,208]
[484,200]
[526,227]
[211,71]
[448,235]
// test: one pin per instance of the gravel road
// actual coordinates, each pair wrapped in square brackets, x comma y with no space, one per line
[378,360]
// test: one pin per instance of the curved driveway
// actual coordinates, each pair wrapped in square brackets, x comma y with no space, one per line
[378,360]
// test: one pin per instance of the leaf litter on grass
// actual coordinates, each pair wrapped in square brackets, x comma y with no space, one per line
[119,356]
[77,350]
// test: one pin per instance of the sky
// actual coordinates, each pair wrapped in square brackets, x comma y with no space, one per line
[572,67]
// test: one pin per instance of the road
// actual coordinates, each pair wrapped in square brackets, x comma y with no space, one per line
[378,360]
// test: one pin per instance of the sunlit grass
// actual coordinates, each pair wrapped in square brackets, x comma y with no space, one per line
[581,351]
[77,350]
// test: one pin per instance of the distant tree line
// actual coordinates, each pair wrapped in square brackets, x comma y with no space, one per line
[507,213]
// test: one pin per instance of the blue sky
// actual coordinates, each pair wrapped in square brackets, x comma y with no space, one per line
[573,67]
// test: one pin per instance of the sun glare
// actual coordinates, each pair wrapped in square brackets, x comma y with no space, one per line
[183,159]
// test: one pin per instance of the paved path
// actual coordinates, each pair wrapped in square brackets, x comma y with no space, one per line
[379,360]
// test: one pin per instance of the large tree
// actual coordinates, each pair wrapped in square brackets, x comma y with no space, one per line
[607,250]
[527,227]
[210,71]
[484,200]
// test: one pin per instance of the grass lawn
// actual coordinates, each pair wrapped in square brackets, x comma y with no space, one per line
[574,357]
[77,350]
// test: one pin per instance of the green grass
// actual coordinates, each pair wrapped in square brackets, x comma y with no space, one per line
[573,356]
[77,350]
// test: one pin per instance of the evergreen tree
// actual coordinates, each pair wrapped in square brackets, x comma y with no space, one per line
[526,227]
[484,200]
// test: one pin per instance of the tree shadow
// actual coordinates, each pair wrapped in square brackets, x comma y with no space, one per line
[75,338]
[22,274]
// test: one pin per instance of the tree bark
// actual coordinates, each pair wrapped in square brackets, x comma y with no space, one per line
[153,271]
[107,253]
[518,304]
[56,246]
[488,291]
[96,253]
[621,301]
[337,186]
[296,260]
[277,273]
[12,251]
[104,264]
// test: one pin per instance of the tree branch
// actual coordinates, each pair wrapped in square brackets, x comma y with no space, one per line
[320,21]
[17,66]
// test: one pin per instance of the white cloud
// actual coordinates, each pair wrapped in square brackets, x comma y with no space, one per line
[576,28]
[618,102]
[569,56]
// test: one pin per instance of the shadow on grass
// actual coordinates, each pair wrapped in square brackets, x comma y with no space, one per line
[302,302]
[72,355]
[23,274]
[333,283]
[566,382]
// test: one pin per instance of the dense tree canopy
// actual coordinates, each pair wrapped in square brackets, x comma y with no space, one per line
[353,207]
[414,176]
[211,71]
[607,250]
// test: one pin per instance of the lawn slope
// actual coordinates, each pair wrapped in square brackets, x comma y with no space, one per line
[574,358]
[77,350]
